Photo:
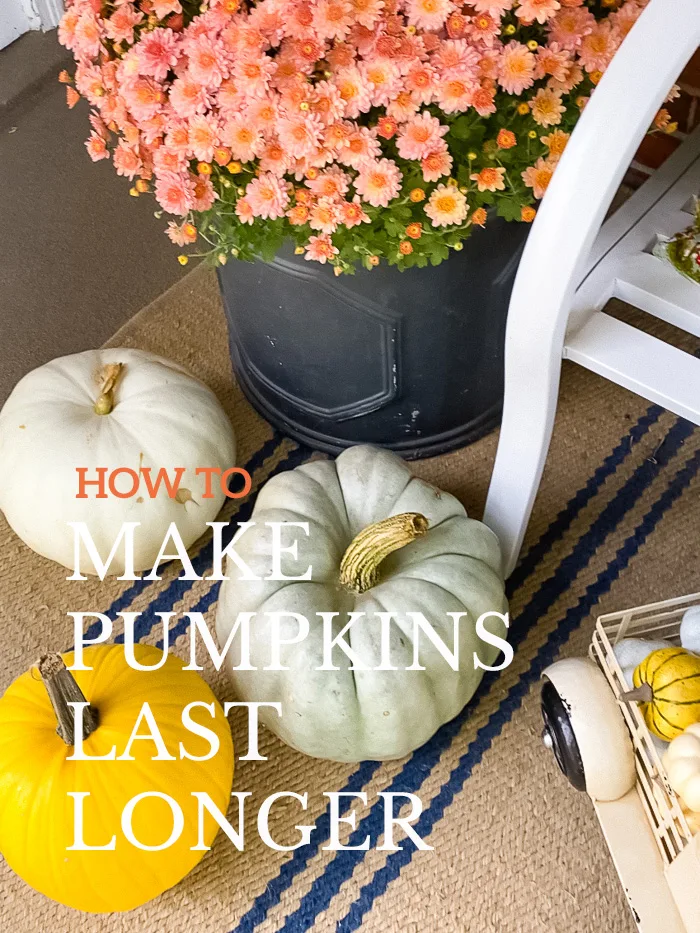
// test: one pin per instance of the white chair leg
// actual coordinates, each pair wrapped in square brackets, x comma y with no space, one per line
[526,430]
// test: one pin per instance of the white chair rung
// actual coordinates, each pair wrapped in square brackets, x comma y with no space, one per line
[653,285]
[659,207]
[639,362]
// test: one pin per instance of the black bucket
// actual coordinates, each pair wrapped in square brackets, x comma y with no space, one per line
[412,361]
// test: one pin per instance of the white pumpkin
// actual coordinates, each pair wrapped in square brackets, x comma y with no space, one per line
[682,764]
[109,408]
[630,652]
[454,566]
[690,629]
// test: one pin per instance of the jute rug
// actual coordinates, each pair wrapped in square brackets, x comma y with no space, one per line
[516,850]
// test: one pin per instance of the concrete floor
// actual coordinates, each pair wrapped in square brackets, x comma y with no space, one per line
[78,256]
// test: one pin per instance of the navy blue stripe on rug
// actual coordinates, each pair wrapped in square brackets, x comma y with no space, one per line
[180,628]
[177,588]
[415,771]
[488,733]
[272,894]
[574,506]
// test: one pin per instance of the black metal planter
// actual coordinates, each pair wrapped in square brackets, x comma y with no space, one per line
[412,361]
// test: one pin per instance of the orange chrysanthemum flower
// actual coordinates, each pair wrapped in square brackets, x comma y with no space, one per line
[538,176]
[489,179]
[506,139]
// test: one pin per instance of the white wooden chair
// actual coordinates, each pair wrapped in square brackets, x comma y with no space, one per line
[571,267]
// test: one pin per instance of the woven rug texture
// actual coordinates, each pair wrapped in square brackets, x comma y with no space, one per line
[516,850]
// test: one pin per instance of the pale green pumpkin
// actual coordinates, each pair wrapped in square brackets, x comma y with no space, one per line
[453,566]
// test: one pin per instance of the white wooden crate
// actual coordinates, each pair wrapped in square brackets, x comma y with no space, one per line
[656,854]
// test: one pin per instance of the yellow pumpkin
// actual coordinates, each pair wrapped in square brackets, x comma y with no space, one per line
[37,813]
[668,682]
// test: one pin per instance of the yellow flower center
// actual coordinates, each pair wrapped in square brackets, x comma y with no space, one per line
[347,90]
[335,13]
[445,203]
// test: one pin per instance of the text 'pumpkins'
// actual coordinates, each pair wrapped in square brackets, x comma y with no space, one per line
[667,683]
[109,409]
[37,813]
[380,539]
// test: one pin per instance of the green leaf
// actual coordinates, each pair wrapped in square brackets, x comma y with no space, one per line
[463,174]
[509,210]
[393,227]
[476,136]
[461,127]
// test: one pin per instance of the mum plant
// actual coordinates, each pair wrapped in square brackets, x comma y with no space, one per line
[364,130]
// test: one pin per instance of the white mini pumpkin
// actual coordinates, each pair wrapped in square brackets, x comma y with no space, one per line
[630,652]
[690,629]
[682,764]
[109,408]
[454,566]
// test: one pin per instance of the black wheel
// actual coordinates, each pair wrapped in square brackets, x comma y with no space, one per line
[558,735]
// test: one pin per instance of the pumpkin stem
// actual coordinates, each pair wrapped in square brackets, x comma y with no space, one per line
[642,694]
[359,568]
[108,377]
[62,690]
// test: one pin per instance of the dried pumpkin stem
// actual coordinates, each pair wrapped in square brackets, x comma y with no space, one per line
[359,568]
[109,377]
[642,694]
[62,690]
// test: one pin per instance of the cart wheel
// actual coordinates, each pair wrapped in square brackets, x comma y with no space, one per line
[584,727]
[558,735]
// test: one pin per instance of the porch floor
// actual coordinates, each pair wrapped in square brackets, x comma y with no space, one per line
[78,256]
